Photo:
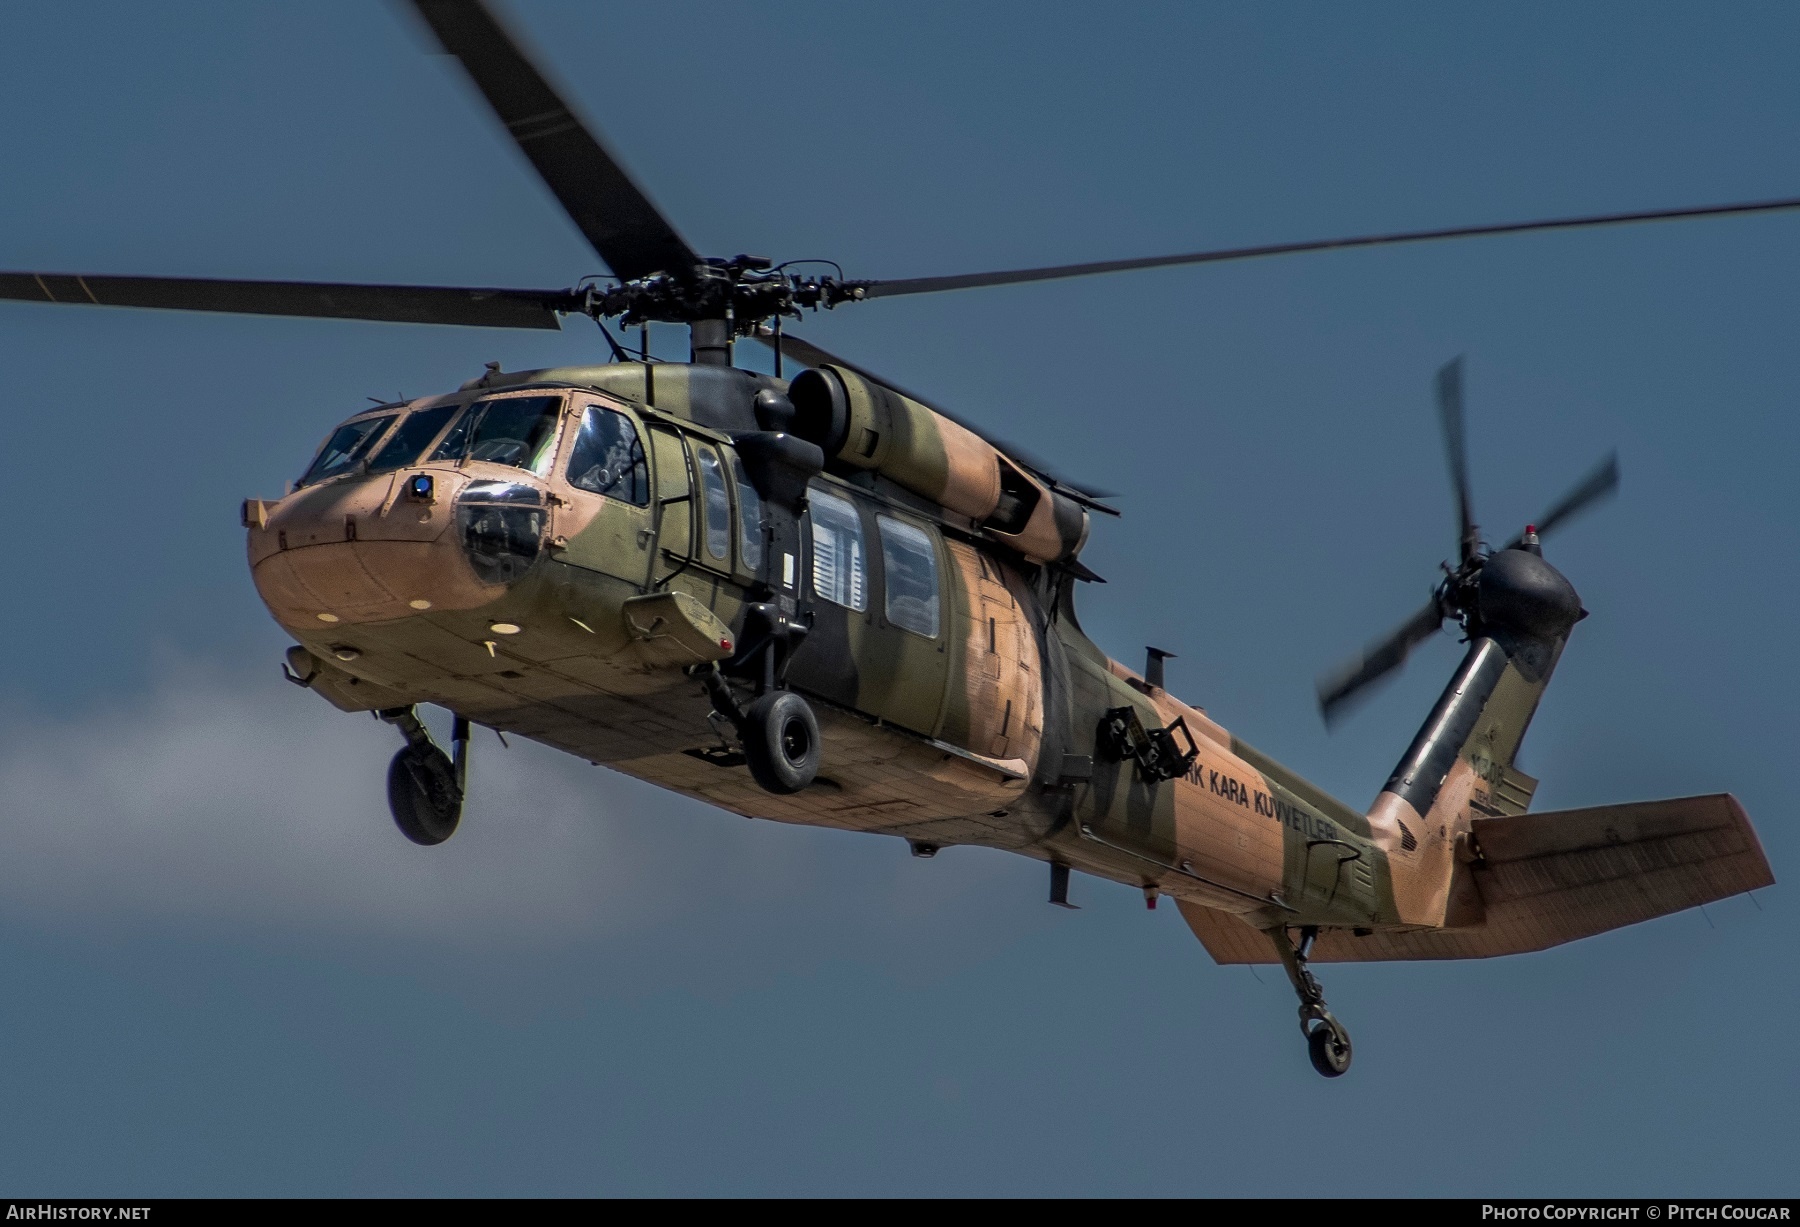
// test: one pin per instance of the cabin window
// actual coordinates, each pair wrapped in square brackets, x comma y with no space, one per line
[519,431]
[347,446]
[750,518]
[718,504]
[839,558]
[608,458]
[414,436]
[910,562]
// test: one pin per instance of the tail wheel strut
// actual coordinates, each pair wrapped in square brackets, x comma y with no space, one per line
[1327,1041]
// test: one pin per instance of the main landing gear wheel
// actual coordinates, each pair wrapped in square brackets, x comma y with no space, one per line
[1328,1044]
[425,788]
[781,742]
[423,795]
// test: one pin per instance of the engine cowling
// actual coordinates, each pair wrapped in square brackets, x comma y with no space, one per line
[861,423]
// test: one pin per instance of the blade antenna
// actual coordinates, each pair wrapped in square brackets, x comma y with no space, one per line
[1456,450]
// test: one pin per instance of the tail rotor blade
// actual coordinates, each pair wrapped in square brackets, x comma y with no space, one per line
[1456,449]
[1597,485]
[1379,659]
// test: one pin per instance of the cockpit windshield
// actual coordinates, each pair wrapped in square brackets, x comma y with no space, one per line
[348,444]
[414,436]
[517,430]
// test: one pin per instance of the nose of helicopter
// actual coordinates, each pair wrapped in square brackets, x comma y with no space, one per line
[377,548]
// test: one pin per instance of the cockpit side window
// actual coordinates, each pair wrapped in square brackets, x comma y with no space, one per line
[518,430]
[608,458]
[412,437]
[348,444]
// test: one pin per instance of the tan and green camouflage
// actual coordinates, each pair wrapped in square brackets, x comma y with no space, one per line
[984,733]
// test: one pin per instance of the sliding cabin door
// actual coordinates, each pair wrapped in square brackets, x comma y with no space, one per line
[879,636]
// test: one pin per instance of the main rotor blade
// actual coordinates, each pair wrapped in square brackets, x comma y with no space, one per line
[630,234]
[406,304]
[967,281]
[1379,659]
[1602,481]
[808,354]
[1450,413]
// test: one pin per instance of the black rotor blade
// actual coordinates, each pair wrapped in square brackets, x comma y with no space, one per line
[405,304]
[932,285]
[1450,413]
[630,234]
[1378,660]
[808,354]
[1603,481]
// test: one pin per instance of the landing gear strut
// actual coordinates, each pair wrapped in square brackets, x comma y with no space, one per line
[779,732]
[425,787]
[1327,1042]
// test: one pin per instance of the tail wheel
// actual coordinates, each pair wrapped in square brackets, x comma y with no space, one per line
[423,794]
[781,742]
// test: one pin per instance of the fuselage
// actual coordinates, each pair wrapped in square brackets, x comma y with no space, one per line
[554,554]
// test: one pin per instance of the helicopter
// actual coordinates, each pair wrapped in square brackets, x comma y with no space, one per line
[818,597]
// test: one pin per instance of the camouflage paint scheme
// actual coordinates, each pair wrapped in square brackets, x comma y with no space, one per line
[985,733]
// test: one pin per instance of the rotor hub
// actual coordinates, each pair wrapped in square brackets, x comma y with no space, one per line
[745,290]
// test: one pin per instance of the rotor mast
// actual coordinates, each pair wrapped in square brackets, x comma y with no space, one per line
[709,342]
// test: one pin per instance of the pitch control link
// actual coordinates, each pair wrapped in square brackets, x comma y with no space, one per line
[1327,1042]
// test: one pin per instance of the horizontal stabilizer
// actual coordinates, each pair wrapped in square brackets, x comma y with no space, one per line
[1545,879]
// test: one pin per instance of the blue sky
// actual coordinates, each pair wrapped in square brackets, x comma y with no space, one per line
[228,974]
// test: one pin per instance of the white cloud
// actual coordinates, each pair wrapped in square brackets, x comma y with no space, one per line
[221,798]
[231,797]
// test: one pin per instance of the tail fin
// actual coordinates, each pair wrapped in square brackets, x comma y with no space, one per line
[1544,879]
[1480,719]
[1459,766]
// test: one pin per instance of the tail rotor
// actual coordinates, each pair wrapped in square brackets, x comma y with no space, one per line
[1458,595]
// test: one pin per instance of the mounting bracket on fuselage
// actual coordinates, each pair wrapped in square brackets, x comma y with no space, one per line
[1159,753]
[773,632]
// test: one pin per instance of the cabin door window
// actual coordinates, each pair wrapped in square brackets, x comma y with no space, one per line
[715,505]
[752,531]
[840,571]
[910,576]
[902,662]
